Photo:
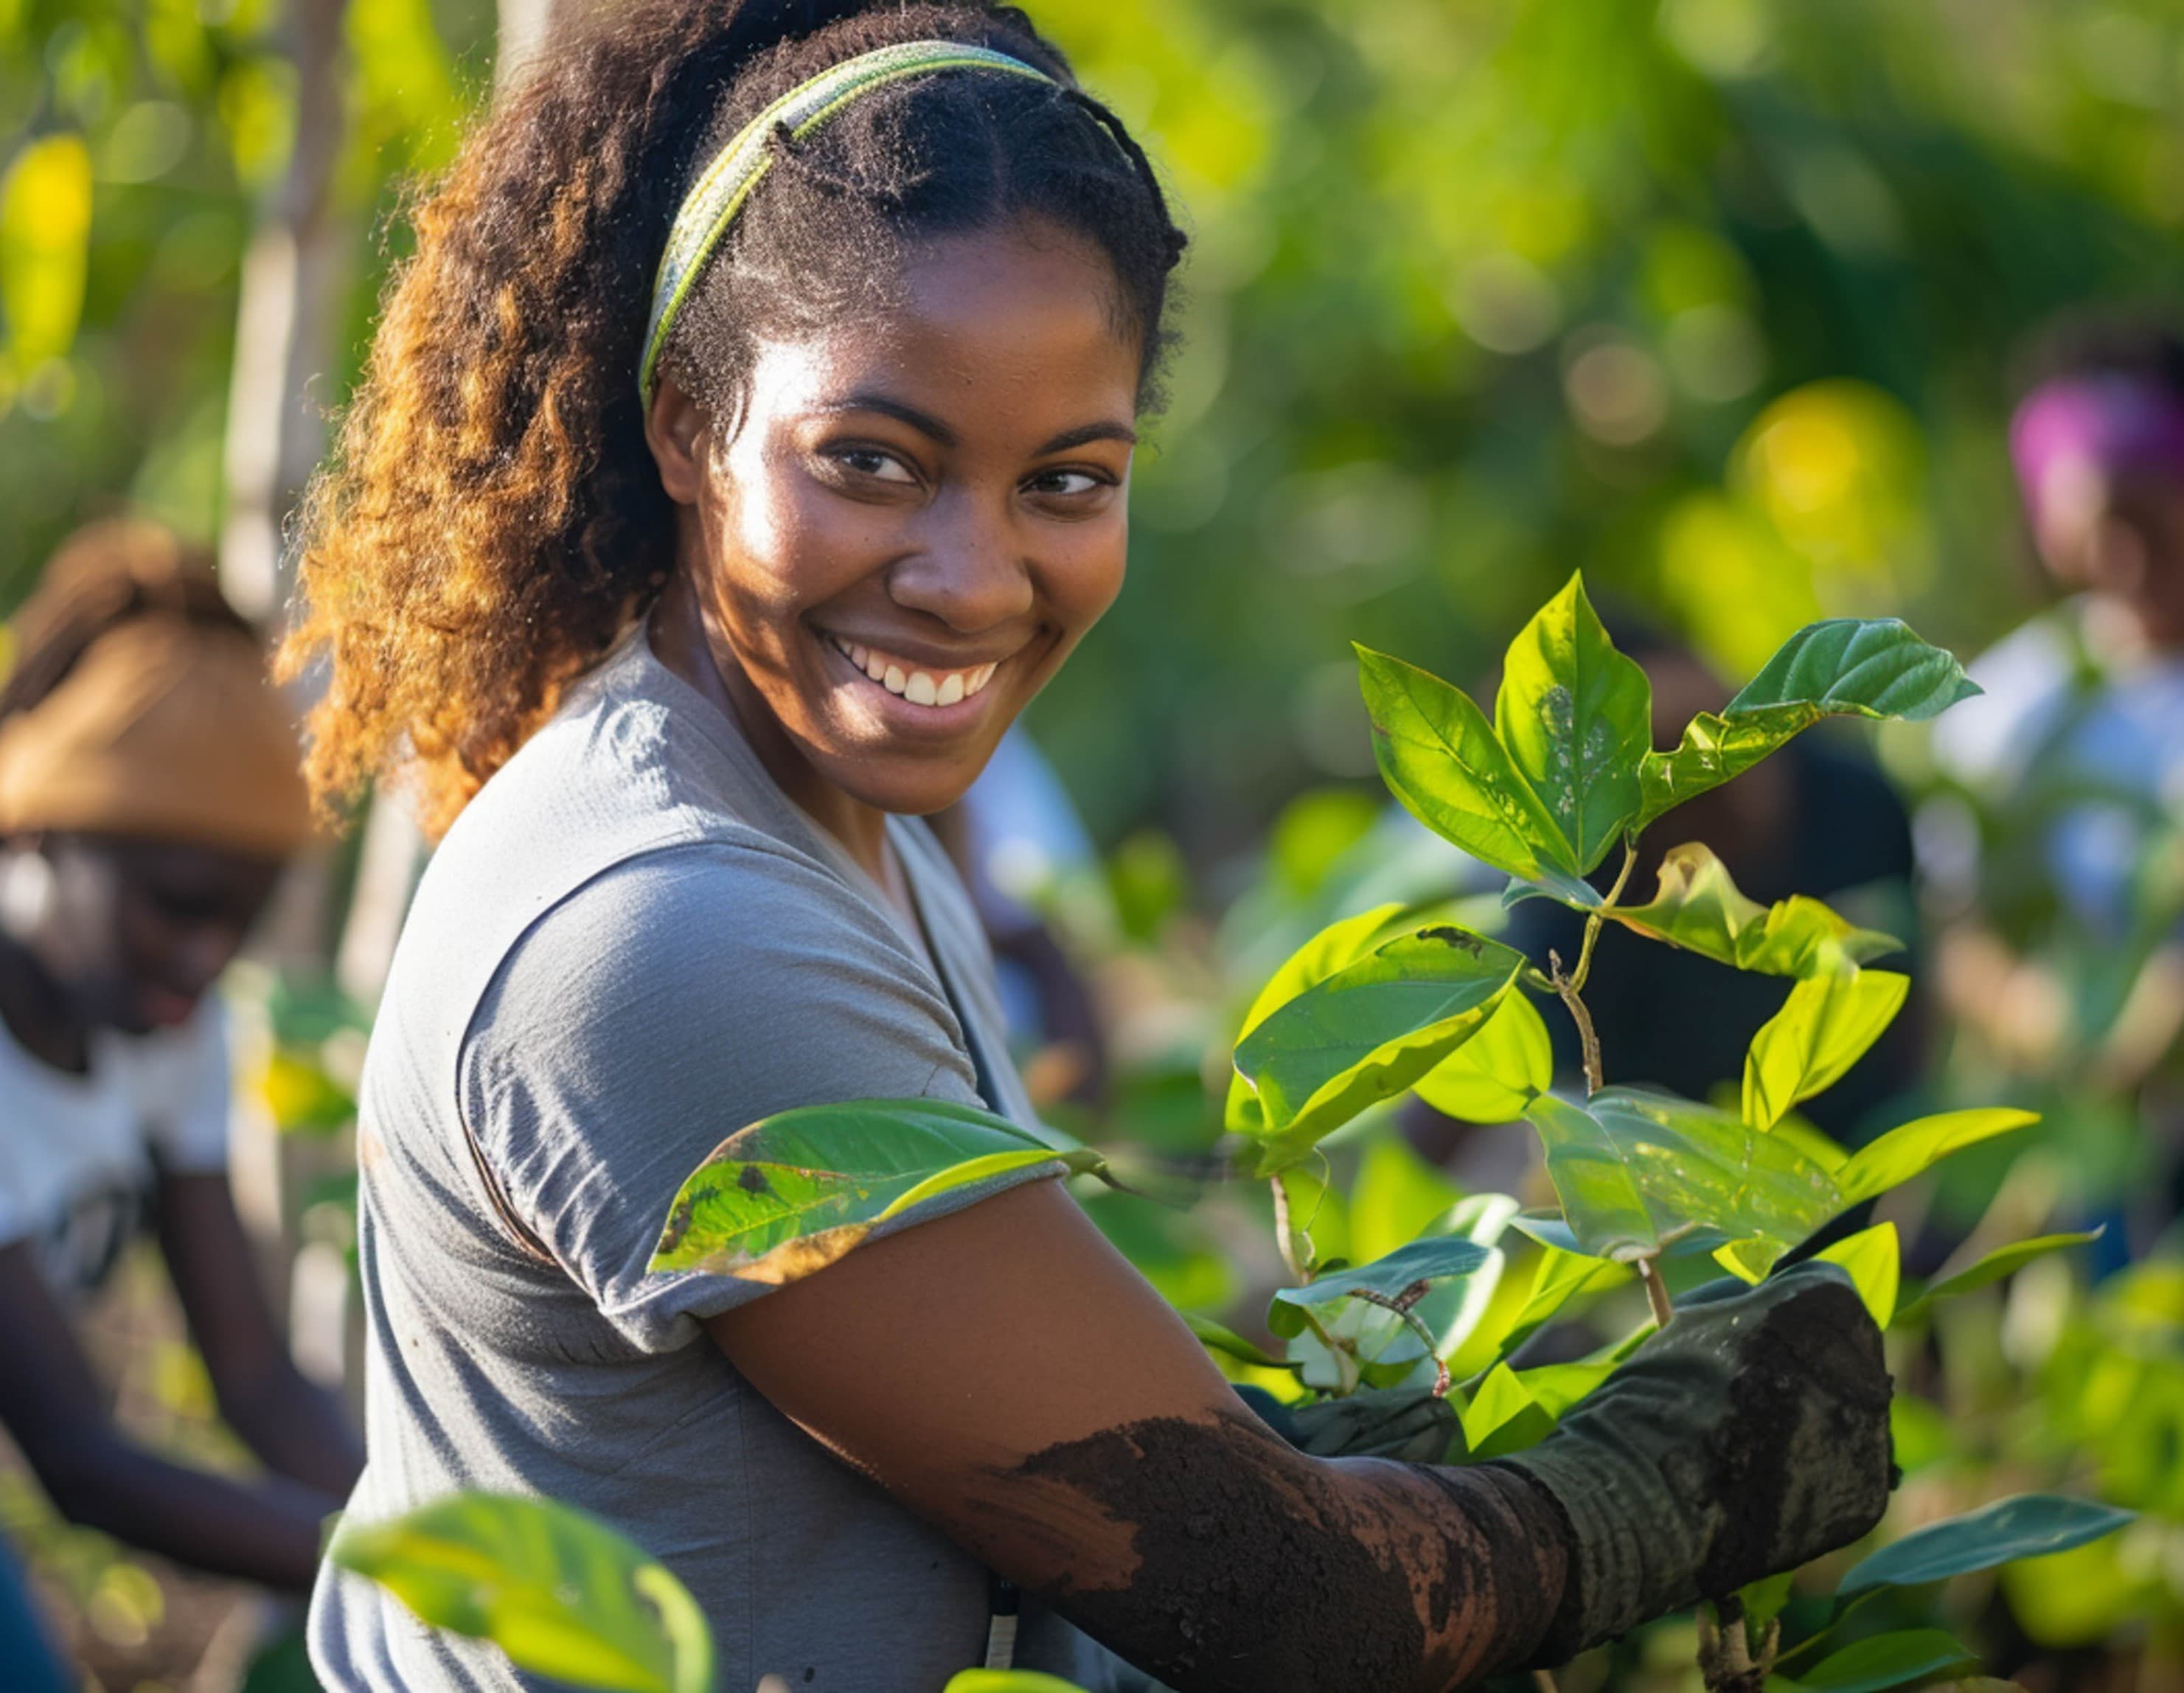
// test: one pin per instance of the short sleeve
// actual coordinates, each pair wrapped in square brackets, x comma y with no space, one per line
[669,1002]
[183,1083]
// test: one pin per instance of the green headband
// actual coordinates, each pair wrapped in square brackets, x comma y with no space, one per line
[719,193]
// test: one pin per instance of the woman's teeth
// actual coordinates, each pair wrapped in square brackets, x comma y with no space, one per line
[918,687]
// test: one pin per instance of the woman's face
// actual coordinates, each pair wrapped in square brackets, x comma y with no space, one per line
[137,931]
[918,514]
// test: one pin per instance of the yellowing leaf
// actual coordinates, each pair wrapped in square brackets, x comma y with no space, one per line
[1699,908]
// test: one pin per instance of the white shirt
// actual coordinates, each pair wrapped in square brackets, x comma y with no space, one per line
[2123,739]
[79,1154]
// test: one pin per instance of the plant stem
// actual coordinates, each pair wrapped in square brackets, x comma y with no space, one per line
[1657,1292]
[1594,920]
[1586,1039]
[1417,1326]
[1544,1680]
[1284,1238]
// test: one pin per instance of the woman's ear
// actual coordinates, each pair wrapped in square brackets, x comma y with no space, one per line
[676,429]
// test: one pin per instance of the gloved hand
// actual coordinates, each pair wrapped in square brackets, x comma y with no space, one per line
[1748,1436]
[1405,1423]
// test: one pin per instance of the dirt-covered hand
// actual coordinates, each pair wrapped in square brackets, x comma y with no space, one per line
[1748,1437]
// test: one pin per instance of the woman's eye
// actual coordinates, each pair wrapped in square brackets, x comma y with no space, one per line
[1067,483]
[870,461]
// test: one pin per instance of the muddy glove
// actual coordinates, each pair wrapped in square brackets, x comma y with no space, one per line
[1405,1423]
[1749,1436]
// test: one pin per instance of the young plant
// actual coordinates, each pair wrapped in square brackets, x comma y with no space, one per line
[1562,779]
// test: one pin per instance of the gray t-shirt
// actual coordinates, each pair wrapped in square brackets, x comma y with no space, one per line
[631,944]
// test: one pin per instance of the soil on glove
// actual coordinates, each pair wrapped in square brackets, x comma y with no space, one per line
[1257,1571]
[1805,1457]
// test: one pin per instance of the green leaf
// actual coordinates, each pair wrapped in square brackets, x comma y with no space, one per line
[1366,1033]
[1576,717]
[1560,1278]
[1841,668]
[1514,1409]
[559,1591]
[1403,1276]
[1874,1259]
[1397,1196]
[2030,1525]
[1440,757]
[1823,1027]
[1218,1338]
[1903,1153]
[1636,1171]
[1763,1599]
[1992,1268]
[792,1193]
[1334,948]
[1007,1681]
[1697,906]
[1492,1077]
[1886,1661]
[1715,749]
[1874,668]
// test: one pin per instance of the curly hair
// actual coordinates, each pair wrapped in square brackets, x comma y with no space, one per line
[491,519]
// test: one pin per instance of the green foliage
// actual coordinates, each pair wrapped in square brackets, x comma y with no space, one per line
[1636,1171]
[1914,1148]
[1823,1028]
[1841,668]
[1886,1661]
[1008,1681]
[560,1592]
[1991,1268]
[1440,757]
[792,1193]
[2029,1525]
[1366,1033]
[1576,717]
[1873,1258]
[1401,1278]
[1700,909]
[1493,1076]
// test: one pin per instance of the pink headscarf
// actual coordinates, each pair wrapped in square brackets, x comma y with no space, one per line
[2114,421]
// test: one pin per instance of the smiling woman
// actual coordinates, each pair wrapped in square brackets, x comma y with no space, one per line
[747,443]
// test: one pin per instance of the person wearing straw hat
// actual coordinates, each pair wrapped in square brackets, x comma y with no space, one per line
[149,797]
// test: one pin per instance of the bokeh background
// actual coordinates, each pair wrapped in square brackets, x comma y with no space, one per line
[1715,299]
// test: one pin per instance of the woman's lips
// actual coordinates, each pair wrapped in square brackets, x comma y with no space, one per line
[924,685]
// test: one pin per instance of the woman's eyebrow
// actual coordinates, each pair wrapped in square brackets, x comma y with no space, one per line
[924,422]
[1090,431]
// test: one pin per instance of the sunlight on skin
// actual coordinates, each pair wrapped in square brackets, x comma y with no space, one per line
[944,480]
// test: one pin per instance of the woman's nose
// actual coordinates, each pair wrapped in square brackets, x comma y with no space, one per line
[972,573]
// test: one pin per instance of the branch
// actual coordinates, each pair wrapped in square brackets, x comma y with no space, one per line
[1586,1039]
[1657,1292]
[1594,920]
[1417,1327]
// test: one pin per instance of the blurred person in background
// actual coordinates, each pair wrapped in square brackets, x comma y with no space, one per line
[149,794]
[2073,762]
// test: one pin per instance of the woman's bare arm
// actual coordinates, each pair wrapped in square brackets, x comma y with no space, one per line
[1008,1376]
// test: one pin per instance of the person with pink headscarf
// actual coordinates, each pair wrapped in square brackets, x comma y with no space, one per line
[2089,695]
[2070,969]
